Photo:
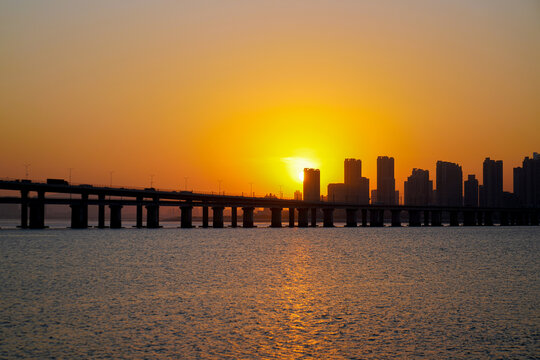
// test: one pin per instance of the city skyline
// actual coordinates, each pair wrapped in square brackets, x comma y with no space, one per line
[183,90]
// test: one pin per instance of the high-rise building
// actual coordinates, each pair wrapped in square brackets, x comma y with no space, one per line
[527,182]
[297,195]
[353,171]
[449,180]
[312,185]
[471,191]
[386,184]
[356,186]
[418,188]
[337,192]
[492,186]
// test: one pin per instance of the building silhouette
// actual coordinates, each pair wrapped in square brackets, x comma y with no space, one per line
[491,191]
[449,181]
[312,185]
[297,195]
[418,188]
[527,182]
[355,189]
[471,191]
[386,184]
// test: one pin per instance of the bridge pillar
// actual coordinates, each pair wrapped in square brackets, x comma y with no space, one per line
[303,217]
[139,216]
[414,218]
[534,218]
[186,216]
[101,211]
[488,218]
[512,218]
[276,217]
[217,216]
[469,218]
[454,218]
[152,216]
[426,217]
[364,218]
[116,216]
[234,217]
[351,217]
[520,218]
[79,219]
[328,220]
[313,217]
[373,217]
[480,218]
[291,217]
[436,218]
[247,217]
[24,209]
[396,218]
[503,218]
[205,216]
[37,212]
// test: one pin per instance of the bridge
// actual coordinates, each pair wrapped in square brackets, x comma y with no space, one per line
[32,201]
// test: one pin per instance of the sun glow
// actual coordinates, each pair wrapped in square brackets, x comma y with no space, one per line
[296,165]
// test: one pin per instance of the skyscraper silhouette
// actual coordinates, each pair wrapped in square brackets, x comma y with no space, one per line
[471,191]
[449,184]
[386,184]
[527,182]
[312,185]
[418,188]
[492,186]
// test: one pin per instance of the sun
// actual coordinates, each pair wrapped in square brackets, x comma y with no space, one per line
[296,165]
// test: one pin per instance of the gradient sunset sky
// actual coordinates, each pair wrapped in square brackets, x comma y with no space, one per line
[252,91]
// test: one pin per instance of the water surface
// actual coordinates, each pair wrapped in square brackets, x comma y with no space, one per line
[341,293]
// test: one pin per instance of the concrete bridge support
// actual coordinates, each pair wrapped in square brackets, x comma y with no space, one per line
[276,217]
[512,218]
[364,218]
[116,216]
[152,216]
[480,218]
[503,217]
[37,212]
[186,216]
[79,215]
[303,217]
[534,218]
[101,211]
[314,217]
[488,221]
[139,216]
[24,209]
[396,218]
[217,216]
[234,217]
[436,218]
[469,218]
[426,217]
[328,219]
[351,217]
[414,218]
[454,218]
[291,217]
[247,217]
[205,216]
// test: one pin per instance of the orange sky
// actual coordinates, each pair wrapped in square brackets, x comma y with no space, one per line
[242,91]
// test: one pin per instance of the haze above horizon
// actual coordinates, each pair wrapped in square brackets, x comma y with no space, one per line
[245,94]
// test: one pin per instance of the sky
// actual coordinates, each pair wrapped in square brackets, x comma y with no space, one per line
[240,95]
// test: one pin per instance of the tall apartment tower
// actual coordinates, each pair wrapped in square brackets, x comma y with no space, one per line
[312,185]
[356,186]
[471,191]
[386,184]
[418,188]
[492,186]
[449,180]
[527,182]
